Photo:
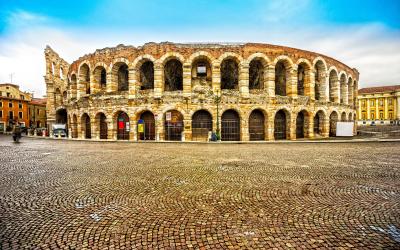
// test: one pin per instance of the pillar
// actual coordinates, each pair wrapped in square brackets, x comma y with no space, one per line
[158,80]
[244,80]
[368,109]
[79,127]
[309,85]
[95,133]
[291,134]
[111,83]
[110,129]
[216,76]
[159,127]
[132,130]
[386,114]
[291,83]
[187,128]
[132,83]
[187,79]
[270,128]
[270,80]
[244,128]
[325,127]
[397,105]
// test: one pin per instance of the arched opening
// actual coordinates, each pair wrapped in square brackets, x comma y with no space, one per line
[146,74]
[100,77]
[101,121]
[333,119]
[343,89]
[84,77]
[230,126]
[282,75]
[86,126]
[280,126]
[201,69]
[122,76]
[318,123]
[319,80]
[333,91]
[229,74]
[61,116]
[123,126]
[173,75]
[301,124]
[65,97]
[344,117]
[257,125]
[350,117]
[256,74]
[303,79]
[148,132]
[74,127]
[173,125]
[201,125]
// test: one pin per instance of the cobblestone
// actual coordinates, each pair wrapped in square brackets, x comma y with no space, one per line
[77,195]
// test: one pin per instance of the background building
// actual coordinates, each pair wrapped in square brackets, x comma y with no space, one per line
[183,91]
[379,105]
[37,113]
[13,106]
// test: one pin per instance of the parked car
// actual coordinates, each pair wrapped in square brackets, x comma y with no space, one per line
[60,130]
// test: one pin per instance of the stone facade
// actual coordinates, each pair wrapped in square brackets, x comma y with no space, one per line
[183,91]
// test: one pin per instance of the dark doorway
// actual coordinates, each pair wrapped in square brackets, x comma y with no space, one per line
[61,116]
[230,123]
[103,126]
[256,126]
[149,130]
[317,122]
[201,125]
[123,126]
[173,125]
[280,125]
[300,125]
[87,129]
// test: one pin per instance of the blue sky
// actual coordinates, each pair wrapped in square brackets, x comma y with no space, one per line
[363,34]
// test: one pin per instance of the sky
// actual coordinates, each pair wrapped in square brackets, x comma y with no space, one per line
[362,34]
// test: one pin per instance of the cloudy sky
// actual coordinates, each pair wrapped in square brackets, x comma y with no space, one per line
[362,34]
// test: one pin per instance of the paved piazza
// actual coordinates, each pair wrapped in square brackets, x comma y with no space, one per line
[79,194]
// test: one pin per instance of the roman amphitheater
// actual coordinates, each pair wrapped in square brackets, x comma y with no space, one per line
[173,92]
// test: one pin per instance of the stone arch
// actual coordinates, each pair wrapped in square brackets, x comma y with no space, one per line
[173,125]
[202,124]
[230,125]
[303,77]
[64,97]
[283,67]
[258,67]
[343,87]
[303,123]
[84,78]
[121,123]
[74,126]
[350,117]
[257,125]
[148,129]
[232,55]
[343,117]
[100,76]
[201,65]
[320,78]
[101,125]
[230,71]
[282,124]
[170,55]
[333,119]
[86,126]
[319,122]
[333,85]
[173,73]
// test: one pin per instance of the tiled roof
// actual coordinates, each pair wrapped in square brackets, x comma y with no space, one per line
[380,89]
[39,101]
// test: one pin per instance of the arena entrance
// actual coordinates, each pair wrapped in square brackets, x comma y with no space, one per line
[318,119]
[86,126]
[123,126]
[230,124]
[333,119]
[257,126]
[61,116]
[173,125]
[103,126]
[280,125]
[149,130]
[201,125]
[300,125]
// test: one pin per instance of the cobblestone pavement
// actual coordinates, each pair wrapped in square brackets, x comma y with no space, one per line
[73,194]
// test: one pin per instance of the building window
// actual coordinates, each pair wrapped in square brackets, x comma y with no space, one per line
[10,115]
[390,116]
[363,115]
[1,113]
[1,104]
[20,115]
[372,116]
[8,94]
[381,102]
[390,101]
[10,104]
[372,103]
[381,115]
[20,105]
[22,97]
[363,103]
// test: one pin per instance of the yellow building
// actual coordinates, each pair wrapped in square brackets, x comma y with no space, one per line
[379,105]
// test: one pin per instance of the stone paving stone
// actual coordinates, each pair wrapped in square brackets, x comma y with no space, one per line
[91,195]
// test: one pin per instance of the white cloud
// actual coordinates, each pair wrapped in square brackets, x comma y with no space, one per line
[372,49]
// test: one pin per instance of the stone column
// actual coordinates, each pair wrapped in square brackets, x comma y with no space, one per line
[345,94]
[291,134]
[291,83]
[216,77]
[94,85]
[309,85]
[336,91]
[376,108]
[309,127]
[187,79]
[187,128]
[270,128]
[325,127]
[368,109]
[111,83]
[324,87]
[386,114]
[110,129]
[244,80]
[132,83]
[159,127]
[244,128]
[132,130]
[95,134]
[79,128]
[397,105]
[270,80]
[158,80]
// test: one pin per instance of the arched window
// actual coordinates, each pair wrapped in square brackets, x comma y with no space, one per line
[123,77]
[173,75]
[256,74]
[229,74]
[281,77]
[147,75]
[319,80]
